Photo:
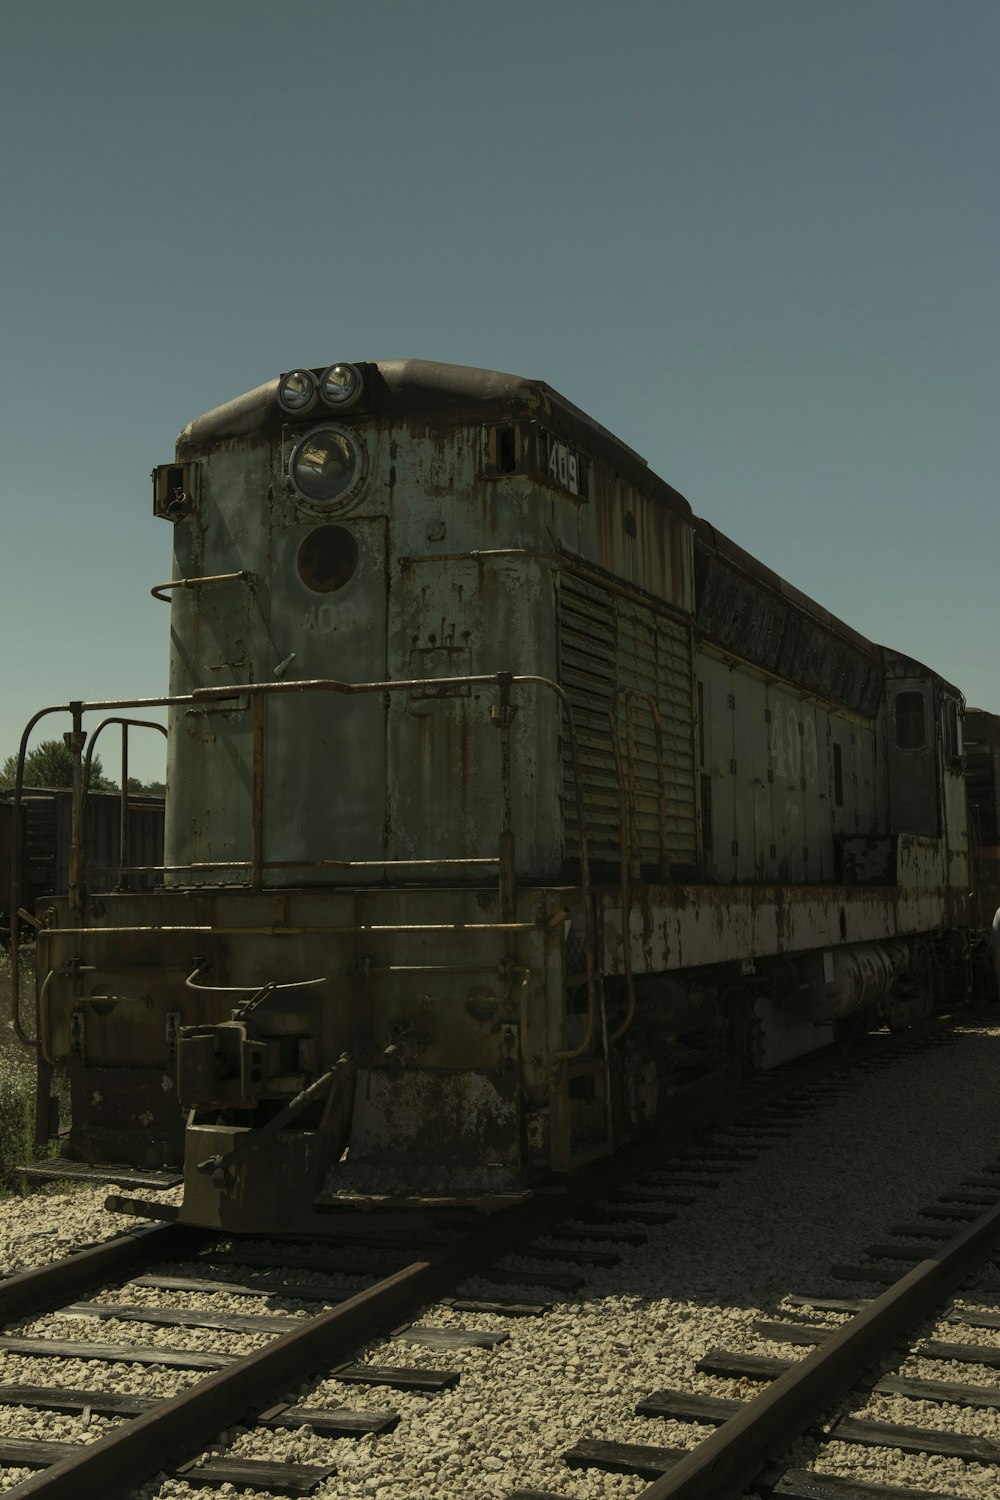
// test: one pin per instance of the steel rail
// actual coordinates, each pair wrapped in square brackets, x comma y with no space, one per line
[182,1426]
[734,1455]
[38,1289]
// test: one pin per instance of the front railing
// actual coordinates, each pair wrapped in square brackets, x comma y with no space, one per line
[501,715]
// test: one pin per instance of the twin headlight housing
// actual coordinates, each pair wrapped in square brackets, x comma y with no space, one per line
[328,462]
[300,392]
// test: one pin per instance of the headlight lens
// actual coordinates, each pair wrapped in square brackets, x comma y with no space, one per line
[340,385]
[326,465]
[297,391]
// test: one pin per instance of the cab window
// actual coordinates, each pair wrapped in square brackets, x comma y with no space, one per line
[911,729]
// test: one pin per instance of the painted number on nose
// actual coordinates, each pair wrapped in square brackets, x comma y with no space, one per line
[320,619]
[564,469]
[793,744]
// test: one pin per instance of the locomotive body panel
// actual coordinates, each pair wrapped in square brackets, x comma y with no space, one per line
[784,776]
[683,927]
[982,749]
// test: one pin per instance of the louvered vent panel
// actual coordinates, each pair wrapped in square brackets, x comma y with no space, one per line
[587,670]
[604,640]
[676,696]
[637,669]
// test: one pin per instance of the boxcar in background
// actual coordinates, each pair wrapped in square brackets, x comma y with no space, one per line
[44,844]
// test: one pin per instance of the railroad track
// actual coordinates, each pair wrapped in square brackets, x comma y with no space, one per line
[739,1456]
[137,1435]
[232,1386]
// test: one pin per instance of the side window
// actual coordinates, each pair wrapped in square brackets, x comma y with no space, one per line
[911,730]
[914,759]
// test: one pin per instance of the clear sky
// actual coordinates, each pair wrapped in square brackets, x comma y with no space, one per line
[758,239]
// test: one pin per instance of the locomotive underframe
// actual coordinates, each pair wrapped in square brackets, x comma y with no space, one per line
[456,1051]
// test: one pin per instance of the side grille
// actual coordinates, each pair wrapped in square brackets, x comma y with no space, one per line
[606,639]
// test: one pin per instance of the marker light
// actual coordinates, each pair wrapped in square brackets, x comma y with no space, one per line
[325,466]
[297,391]
[340,386]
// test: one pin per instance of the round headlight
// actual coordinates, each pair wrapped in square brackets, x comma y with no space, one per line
[326,465]
[297,391]
[340,385]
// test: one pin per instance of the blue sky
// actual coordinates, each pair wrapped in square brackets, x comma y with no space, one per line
[756,240]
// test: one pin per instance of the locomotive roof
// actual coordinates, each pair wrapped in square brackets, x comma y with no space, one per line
[420,390]
[734,557]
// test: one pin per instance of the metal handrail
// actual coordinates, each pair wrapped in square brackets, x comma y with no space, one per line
[159,590]
[15,868]
[123,835]
[258,692]
[77,852]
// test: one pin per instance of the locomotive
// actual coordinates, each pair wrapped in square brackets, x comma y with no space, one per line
[505,800]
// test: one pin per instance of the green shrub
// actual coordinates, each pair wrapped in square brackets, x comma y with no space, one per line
[17,1075]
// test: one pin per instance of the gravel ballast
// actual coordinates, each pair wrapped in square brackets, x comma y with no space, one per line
[863,1163]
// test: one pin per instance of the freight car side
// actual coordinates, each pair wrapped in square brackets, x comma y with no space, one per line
[44,838]
[6,840]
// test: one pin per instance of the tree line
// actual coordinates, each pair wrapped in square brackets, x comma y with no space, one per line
[51,764]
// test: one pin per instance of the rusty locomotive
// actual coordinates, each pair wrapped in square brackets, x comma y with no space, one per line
[506,799]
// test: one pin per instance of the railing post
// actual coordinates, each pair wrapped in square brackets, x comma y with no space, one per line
[630,849]
[77,855]
[589,931]
[124,851]
[502,716]
[631,811]
[257,795]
